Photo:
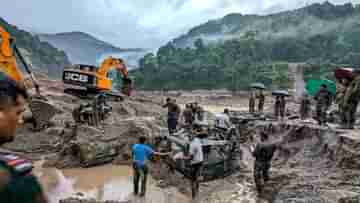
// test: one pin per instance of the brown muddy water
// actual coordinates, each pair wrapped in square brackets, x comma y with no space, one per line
[102,183]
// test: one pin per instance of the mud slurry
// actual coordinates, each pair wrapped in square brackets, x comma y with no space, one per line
[317,164]
[314,165]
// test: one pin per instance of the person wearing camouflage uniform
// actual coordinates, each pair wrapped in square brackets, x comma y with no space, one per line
[304,107]
[350,103]
[277,107]
[282,107]
[261,103]
[341,88]
[252,102]
[323,98]
[263,154]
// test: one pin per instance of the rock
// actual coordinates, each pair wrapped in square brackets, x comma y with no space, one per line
[80,194]
[55,131]
[76,200]
[91,146]
[355,199]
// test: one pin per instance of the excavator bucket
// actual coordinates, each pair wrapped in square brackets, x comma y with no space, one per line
[42,111]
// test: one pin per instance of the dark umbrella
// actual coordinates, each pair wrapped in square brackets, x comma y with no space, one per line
[280,93]
[258,86]
[347,73]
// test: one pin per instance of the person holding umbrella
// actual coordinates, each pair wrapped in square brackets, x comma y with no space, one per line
[260,96]
[280,103]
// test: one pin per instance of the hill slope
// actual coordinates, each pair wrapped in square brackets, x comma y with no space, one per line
[301,23]
[82,47]
[236,50]
[42,55]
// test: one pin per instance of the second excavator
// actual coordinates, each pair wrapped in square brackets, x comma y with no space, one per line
[42,110]
[87,80]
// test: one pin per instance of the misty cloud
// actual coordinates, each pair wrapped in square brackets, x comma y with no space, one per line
[134,23]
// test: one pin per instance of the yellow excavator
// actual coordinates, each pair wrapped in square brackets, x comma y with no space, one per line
[42,111]
[91,80]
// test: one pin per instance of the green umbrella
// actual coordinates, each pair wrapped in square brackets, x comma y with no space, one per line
[313,86]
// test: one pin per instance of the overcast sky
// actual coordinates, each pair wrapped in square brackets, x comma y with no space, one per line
[133,23]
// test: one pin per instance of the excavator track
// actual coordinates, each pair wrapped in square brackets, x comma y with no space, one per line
[90,94]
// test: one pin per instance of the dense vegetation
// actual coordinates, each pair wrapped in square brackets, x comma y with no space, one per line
[255,55]
[40,54]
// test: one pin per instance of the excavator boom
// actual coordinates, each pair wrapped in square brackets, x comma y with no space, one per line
[7,59]
[41,110]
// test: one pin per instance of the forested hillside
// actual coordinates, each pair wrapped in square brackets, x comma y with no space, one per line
[239,49]
[41,55]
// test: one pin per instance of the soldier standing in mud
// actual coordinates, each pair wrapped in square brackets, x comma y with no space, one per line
[261,102]
[252,102]
[341,87]
[173,114]
[304,106]
[350,103]
[263,154]
[188,116]
[282,107]
[277,107]
[16,185]
[323,98]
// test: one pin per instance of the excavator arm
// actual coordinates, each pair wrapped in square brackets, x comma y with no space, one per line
[8,63]
[42,111]
[119,65]
[110,63]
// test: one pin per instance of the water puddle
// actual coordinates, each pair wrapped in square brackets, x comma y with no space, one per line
[102,183]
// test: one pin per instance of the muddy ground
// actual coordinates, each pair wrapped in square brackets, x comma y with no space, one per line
[317,165]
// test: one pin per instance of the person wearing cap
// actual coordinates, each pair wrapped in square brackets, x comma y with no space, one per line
[16,185]
[323,102]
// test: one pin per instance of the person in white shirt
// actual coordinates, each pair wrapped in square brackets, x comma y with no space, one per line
[222,120]
[196,157]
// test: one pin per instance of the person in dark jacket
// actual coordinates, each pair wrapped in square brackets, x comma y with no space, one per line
[188,116]
[173,114]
